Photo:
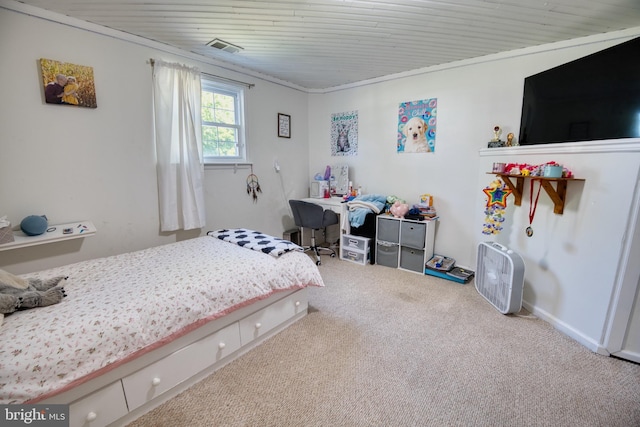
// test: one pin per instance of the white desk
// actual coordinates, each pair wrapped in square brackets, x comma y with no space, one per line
[335,204]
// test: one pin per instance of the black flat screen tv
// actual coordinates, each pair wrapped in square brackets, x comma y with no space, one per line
[592,98]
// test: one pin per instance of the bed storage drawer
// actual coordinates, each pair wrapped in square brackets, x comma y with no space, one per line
[100,408]
[261,322]
[153,380]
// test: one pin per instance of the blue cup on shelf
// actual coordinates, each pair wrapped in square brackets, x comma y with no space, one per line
[553,171]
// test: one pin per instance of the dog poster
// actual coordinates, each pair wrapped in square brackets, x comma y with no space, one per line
[417,126]
[68,84]
[344,134]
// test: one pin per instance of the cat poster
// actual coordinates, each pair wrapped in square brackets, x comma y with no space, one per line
[344,134]
[68,84]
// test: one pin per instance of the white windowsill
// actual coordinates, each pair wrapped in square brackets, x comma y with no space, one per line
[234,166]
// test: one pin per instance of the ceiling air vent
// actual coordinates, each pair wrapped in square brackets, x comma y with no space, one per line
[223,45]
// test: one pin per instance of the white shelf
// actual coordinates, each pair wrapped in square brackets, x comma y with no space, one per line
[80,229]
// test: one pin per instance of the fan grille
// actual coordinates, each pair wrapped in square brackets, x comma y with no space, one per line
[498,280]
[496,286]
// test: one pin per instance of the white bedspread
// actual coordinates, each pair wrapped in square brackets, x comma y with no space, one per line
[123,306]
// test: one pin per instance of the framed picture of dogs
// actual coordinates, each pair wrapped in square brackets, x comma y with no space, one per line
[344,134]
[417,126]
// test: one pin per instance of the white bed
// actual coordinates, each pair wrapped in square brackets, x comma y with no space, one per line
[135,329]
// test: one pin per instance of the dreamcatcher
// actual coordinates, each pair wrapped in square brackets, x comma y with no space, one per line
[253,185]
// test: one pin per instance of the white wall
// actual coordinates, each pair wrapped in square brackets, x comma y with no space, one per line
[98,164]
[74,164]
[572,259]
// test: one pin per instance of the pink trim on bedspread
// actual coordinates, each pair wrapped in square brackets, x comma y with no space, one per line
[198,280]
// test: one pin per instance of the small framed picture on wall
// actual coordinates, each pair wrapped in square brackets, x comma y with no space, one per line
[284,125]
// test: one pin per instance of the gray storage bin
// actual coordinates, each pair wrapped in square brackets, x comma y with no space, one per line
[387,255]
[412,234]
[388,230]
[412,259]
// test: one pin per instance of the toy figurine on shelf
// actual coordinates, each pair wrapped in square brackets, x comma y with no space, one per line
[496,133]
[496,141]
[510,141]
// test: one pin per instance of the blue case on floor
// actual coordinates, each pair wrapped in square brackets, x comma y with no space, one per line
[444,275]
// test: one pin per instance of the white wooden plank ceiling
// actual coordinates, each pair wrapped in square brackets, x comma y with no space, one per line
[318,44]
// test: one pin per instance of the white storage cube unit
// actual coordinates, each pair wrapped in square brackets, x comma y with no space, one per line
[355,249]
[404,243]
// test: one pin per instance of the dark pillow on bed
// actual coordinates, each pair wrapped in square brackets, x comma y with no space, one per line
[256,240]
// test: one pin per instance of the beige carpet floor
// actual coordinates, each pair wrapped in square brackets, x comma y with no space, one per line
[384,347]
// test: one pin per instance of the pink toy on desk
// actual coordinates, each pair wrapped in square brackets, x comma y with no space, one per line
[399,209]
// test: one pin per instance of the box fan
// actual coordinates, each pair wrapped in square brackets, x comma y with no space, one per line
[500,277]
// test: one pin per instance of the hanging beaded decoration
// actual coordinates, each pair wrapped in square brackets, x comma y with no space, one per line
[253,185]
[497,193]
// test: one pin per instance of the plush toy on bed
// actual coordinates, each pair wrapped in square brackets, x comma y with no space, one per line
[18,293]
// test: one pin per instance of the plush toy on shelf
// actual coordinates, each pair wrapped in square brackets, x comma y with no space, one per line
[399,209]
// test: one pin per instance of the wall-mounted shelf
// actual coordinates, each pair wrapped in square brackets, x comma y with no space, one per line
[557,194]
[78,230]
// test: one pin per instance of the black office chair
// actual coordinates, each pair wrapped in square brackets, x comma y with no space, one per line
[310,215]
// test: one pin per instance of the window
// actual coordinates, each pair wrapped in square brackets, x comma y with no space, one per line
[222,123]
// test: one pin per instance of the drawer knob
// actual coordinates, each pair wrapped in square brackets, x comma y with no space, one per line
[258,325]
[91,416]
[297,303]
[155,381]
[221,345]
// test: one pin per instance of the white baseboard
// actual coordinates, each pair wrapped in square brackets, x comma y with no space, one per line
[566,329]
[628,355]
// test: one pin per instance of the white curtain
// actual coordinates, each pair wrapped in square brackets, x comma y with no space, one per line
[178,140]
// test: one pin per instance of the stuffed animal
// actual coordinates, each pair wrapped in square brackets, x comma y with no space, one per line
[18,293]
[399,209]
